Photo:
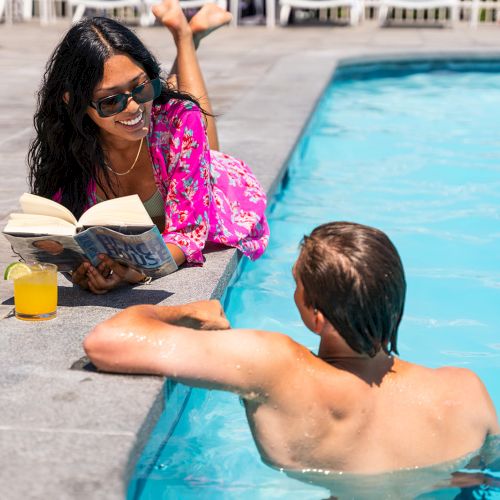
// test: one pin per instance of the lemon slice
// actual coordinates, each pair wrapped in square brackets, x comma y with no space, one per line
[16,270]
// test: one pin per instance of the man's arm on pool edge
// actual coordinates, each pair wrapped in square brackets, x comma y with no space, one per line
[149,340]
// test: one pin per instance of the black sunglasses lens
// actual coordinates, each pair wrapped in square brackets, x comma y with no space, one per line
[156,83]
[112,105]
[115,104]
[147,91]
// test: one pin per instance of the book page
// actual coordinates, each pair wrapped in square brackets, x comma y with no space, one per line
[38,224]
[123,211]
[33,204]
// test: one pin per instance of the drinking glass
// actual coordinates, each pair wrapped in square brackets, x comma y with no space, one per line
[35,294]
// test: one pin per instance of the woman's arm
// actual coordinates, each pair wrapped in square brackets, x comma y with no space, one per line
[177,253]
[189,196]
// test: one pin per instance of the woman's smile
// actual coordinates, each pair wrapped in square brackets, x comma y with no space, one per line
[134,122]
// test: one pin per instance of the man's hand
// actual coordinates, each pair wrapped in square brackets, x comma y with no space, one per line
[202,315]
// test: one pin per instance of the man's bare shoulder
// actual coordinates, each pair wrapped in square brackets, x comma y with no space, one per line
[466,386]
[451,380]
[459,377]
[446,382]
[447,376]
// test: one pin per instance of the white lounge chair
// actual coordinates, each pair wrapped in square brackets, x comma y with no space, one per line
[5,6]
[47,13]
[104,5]
[477,6]
[356,8]
[385,5]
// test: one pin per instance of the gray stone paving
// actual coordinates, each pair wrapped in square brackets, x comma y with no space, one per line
[70,434]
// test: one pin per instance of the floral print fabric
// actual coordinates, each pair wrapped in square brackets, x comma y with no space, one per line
[208,195]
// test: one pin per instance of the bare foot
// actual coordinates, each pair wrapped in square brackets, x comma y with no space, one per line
[208,19]
[170,14]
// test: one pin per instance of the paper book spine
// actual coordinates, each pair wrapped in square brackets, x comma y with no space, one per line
[146,251]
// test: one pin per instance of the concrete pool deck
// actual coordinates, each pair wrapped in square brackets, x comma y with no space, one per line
[68,433]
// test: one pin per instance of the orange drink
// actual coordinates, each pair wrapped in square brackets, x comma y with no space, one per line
[35,293]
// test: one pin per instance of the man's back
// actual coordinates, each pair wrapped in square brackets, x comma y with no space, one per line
[369,416]
[355,407]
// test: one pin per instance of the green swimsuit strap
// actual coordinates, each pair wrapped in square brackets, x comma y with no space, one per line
[154,205]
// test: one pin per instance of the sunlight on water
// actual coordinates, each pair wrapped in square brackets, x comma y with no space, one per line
[419,157]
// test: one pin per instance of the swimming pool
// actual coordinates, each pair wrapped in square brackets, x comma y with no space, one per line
[413,149]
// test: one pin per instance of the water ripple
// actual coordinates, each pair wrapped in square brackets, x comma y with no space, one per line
[444,323]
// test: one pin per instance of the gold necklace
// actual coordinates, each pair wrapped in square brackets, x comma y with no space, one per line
[133,164]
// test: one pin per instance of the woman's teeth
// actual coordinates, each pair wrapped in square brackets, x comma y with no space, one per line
[135,121]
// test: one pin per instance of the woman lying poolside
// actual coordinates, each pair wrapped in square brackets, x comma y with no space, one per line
[108,126]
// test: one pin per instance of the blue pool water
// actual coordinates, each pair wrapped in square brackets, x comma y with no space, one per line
[415,153]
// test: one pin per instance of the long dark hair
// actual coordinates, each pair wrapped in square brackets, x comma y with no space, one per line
[66,153]
[353,274]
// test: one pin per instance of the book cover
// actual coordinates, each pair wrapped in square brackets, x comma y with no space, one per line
[54,249]
[145,251]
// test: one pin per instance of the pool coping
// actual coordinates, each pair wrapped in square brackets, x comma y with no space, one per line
[90,440]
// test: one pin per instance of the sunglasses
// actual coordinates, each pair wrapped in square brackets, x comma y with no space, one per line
[114,104]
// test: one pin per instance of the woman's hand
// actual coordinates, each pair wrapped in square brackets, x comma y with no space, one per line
[107,275]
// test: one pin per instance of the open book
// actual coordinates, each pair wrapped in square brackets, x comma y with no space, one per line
[121,228]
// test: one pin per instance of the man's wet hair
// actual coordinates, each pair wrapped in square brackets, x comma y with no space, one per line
[353,274]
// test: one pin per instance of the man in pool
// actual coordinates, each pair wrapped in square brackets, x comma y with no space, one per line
[354,407]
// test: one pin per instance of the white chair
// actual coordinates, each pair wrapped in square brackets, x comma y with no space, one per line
[148,17]
[385,5]
[476,6]
[47,11]
[356,8]
[104,5]
[23,9]
[5,7]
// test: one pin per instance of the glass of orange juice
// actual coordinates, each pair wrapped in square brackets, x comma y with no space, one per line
[35,292]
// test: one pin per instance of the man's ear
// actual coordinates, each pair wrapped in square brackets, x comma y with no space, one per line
[319,321]
[66,97]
